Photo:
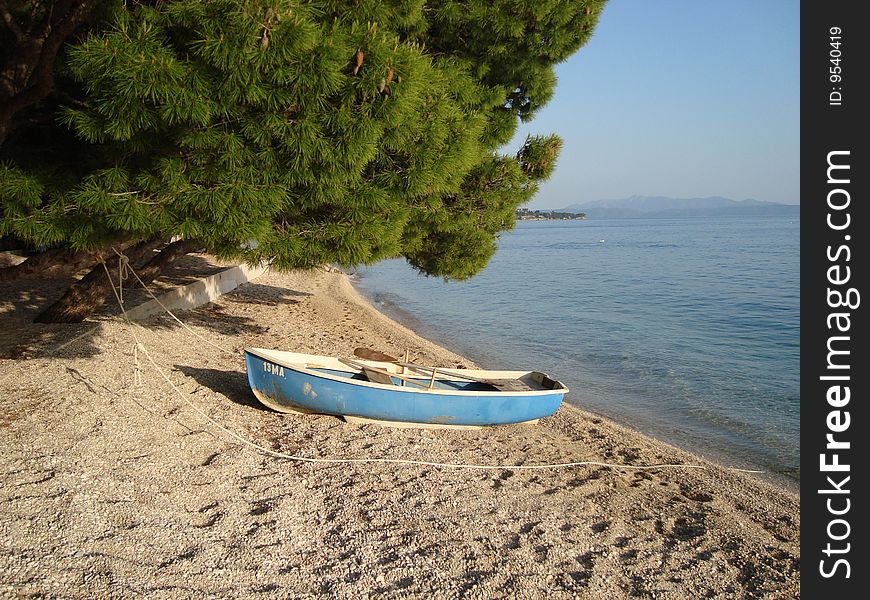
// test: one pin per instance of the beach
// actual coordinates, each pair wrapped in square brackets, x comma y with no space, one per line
[117,482]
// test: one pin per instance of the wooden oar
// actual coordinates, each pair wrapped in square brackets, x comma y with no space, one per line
[383,357]
[359,365]
[504,385]
[369,354]
[379,356]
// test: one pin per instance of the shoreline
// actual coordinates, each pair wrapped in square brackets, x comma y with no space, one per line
[721,458]
[114,486]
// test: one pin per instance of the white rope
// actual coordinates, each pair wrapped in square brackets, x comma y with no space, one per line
[169,312]
[123,265]
[294,457]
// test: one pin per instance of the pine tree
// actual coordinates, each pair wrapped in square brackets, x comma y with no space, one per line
[302,132]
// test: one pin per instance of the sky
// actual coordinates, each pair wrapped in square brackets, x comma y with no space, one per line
[680,98]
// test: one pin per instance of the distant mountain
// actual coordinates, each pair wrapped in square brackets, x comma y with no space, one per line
[661,207]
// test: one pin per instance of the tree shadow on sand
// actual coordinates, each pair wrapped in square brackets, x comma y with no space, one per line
[266,295]
[231,384]
[214,316]
[21,338]
[22,300]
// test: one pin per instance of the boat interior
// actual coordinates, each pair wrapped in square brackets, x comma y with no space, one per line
[412,375]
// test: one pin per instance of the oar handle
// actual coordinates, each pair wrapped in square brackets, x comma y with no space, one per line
[359,365]
[443,372]
[377,355]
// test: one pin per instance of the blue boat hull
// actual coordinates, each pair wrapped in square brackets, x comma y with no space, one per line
[288,388]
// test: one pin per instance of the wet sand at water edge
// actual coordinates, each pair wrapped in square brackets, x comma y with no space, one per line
[113,484]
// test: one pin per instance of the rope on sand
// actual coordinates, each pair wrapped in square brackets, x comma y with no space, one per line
[140,346]
[126,262]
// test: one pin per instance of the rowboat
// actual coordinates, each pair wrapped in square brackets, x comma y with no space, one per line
[399,393]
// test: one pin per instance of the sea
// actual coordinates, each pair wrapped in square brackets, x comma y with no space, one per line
[687,330]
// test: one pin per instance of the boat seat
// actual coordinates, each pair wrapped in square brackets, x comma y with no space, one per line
[509,385]
[377,377]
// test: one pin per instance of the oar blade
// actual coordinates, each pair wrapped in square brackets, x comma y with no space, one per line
[369,354]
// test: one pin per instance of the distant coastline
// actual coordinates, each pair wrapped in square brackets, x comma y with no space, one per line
[661,207]
[524,214]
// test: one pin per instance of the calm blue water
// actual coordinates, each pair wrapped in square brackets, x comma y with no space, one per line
[685,329]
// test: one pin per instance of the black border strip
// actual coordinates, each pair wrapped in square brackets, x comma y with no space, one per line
[834,226]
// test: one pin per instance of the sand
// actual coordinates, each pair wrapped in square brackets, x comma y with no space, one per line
[112,485]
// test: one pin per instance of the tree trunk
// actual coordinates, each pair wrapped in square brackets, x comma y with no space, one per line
[56,262]
[85,296]
[27,73]
[150,270]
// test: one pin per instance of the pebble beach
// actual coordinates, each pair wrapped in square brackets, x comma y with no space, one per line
[121,477]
